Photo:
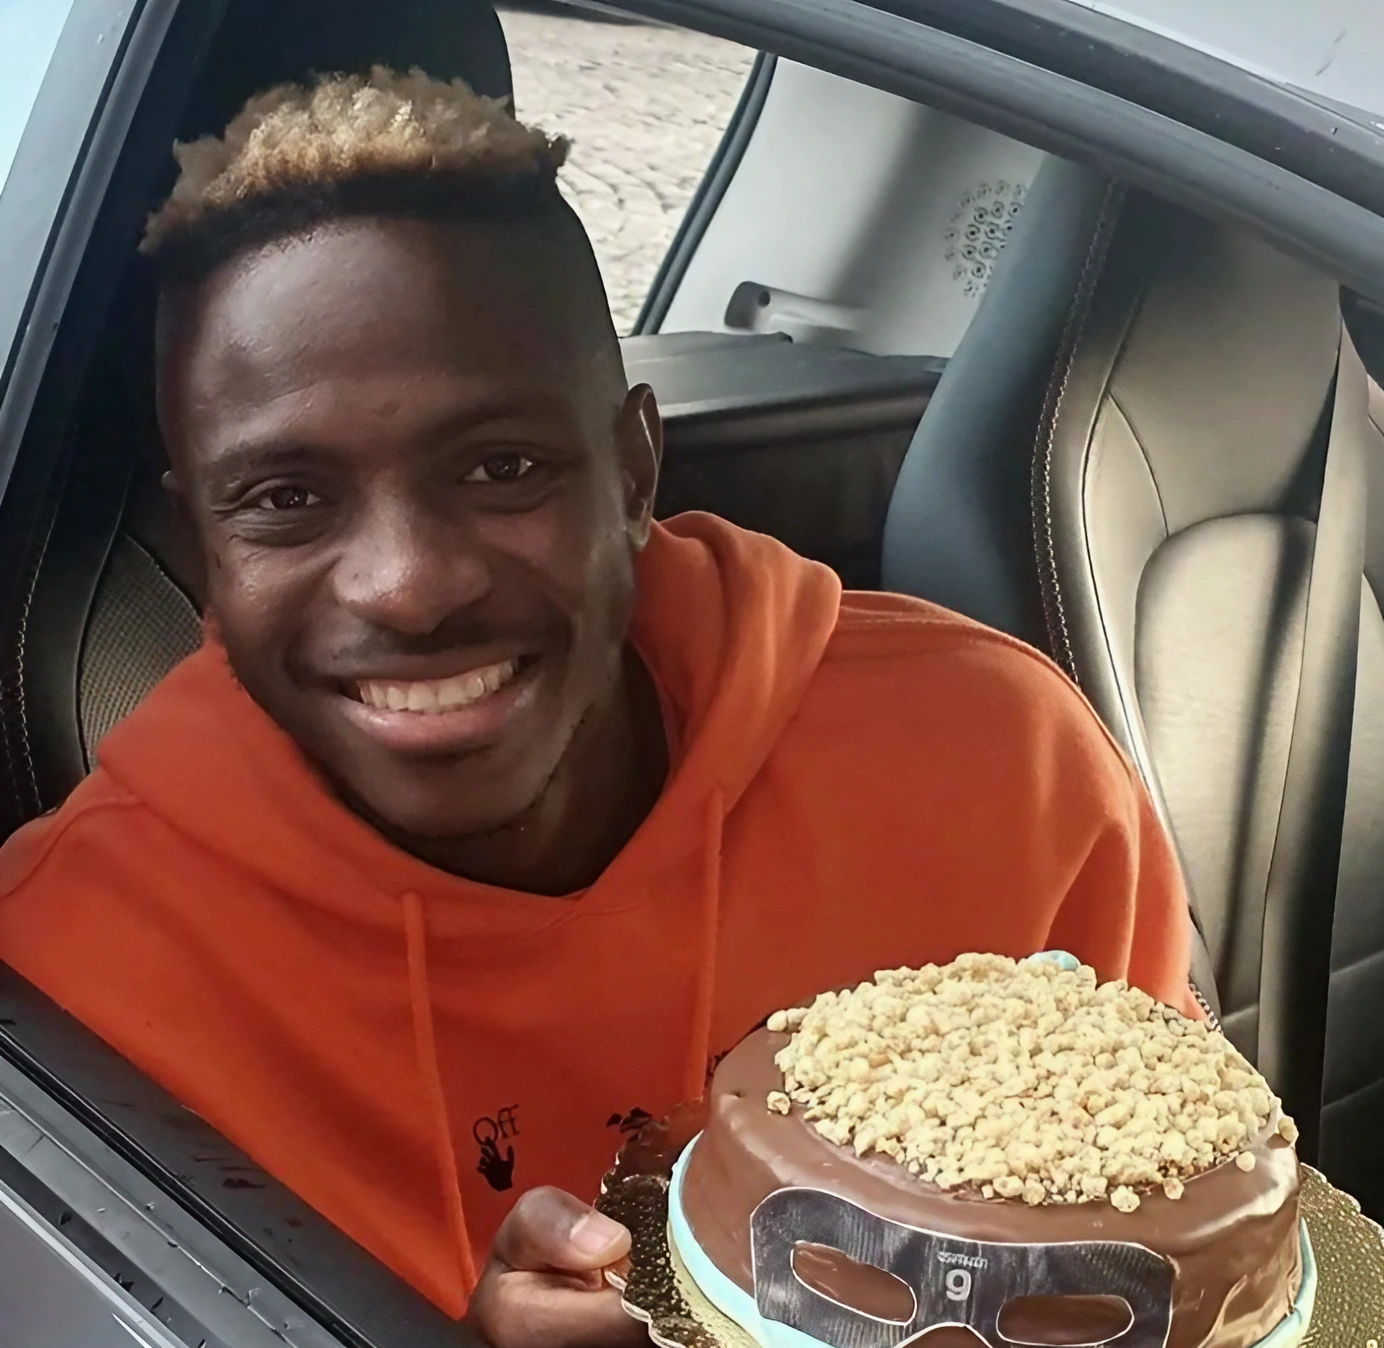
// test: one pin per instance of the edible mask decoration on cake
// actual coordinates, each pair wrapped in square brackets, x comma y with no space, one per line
[1007,1294]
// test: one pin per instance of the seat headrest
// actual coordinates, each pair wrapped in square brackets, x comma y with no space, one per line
[1219,353]
[960,527]
[262,43]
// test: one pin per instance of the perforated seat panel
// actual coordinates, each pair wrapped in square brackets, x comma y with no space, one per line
[141,625]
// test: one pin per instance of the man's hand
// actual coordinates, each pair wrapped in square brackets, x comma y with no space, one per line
[544,1286]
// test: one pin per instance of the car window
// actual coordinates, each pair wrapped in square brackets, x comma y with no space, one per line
[1331,48]
[29,31]
[645,106]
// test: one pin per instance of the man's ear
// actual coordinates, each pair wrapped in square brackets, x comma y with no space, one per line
[184,518]
[640,434]
[175,534]
[173,489]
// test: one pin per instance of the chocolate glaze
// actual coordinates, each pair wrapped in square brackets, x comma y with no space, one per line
[1059,1321]
[862,1287]
[1232,1238]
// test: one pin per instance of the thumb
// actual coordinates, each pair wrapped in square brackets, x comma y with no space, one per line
[548,1229]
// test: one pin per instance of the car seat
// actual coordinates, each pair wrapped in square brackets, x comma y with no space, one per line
[1122,466]
[107,585]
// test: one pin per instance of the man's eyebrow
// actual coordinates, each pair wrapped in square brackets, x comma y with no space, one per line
[247,456]
[284,454]
[531,404]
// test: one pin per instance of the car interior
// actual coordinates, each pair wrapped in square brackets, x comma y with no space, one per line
[1114,435]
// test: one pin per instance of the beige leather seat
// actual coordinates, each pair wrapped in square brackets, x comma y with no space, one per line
[1151,395]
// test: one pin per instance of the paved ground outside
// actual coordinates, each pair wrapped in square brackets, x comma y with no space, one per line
[645,107]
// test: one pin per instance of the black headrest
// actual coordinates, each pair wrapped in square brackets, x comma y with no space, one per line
[960,524]
[266,42]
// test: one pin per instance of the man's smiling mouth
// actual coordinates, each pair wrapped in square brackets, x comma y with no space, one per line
[430,697]
[448,715]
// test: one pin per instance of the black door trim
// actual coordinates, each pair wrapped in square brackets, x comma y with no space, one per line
[342,1287]
[707,199]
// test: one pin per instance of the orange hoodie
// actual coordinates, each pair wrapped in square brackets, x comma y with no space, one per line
[858,781]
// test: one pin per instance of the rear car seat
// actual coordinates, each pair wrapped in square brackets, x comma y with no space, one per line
[1181,376]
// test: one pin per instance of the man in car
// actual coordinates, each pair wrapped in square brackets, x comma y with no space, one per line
[491,811]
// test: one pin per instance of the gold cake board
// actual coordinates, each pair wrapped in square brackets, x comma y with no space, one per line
[1349,1251]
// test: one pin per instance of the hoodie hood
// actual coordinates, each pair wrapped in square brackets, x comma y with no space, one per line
[731,626]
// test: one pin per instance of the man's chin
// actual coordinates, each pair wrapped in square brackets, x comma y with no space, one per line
[449,809]
[423,819]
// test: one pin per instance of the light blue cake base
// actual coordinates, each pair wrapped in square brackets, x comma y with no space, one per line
[737,1304]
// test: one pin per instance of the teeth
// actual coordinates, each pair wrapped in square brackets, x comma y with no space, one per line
[436,695]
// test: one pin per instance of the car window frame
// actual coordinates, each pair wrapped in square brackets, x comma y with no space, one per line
[1278,123]
[34,28]
[57,180]
[79,1191]
[125,1134]
[1163,149]
[712,188]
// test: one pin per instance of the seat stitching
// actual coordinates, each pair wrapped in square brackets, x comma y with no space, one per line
[21,647]
[1045,546]
[18,704]
[1148,462]
[10,764]
[15,705]
[1054,612]
[156,562]
[1129,698]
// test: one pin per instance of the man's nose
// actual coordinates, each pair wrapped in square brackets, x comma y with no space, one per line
[408,569]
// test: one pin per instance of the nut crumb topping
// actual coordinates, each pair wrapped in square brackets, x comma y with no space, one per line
[1023,1080]
[1124,1199]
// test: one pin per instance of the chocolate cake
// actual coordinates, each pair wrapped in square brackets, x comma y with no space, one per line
[1019,1103]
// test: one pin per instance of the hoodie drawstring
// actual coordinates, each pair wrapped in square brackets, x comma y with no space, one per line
[425,1045]
[699,1049]
[425,1038]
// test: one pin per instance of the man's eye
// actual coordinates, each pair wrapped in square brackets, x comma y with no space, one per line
[500,468]
[286,498]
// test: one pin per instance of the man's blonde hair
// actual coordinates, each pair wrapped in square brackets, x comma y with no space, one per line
[350,145]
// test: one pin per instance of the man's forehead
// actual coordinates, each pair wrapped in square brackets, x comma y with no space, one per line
[374,296]
[371,419]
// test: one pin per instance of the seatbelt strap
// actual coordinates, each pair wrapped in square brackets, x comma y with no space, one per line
[1300,897]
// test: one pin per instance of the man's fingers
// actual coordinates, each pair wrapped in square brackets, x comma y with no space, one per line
[543,1310]
[543,1288]
[548,1229]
